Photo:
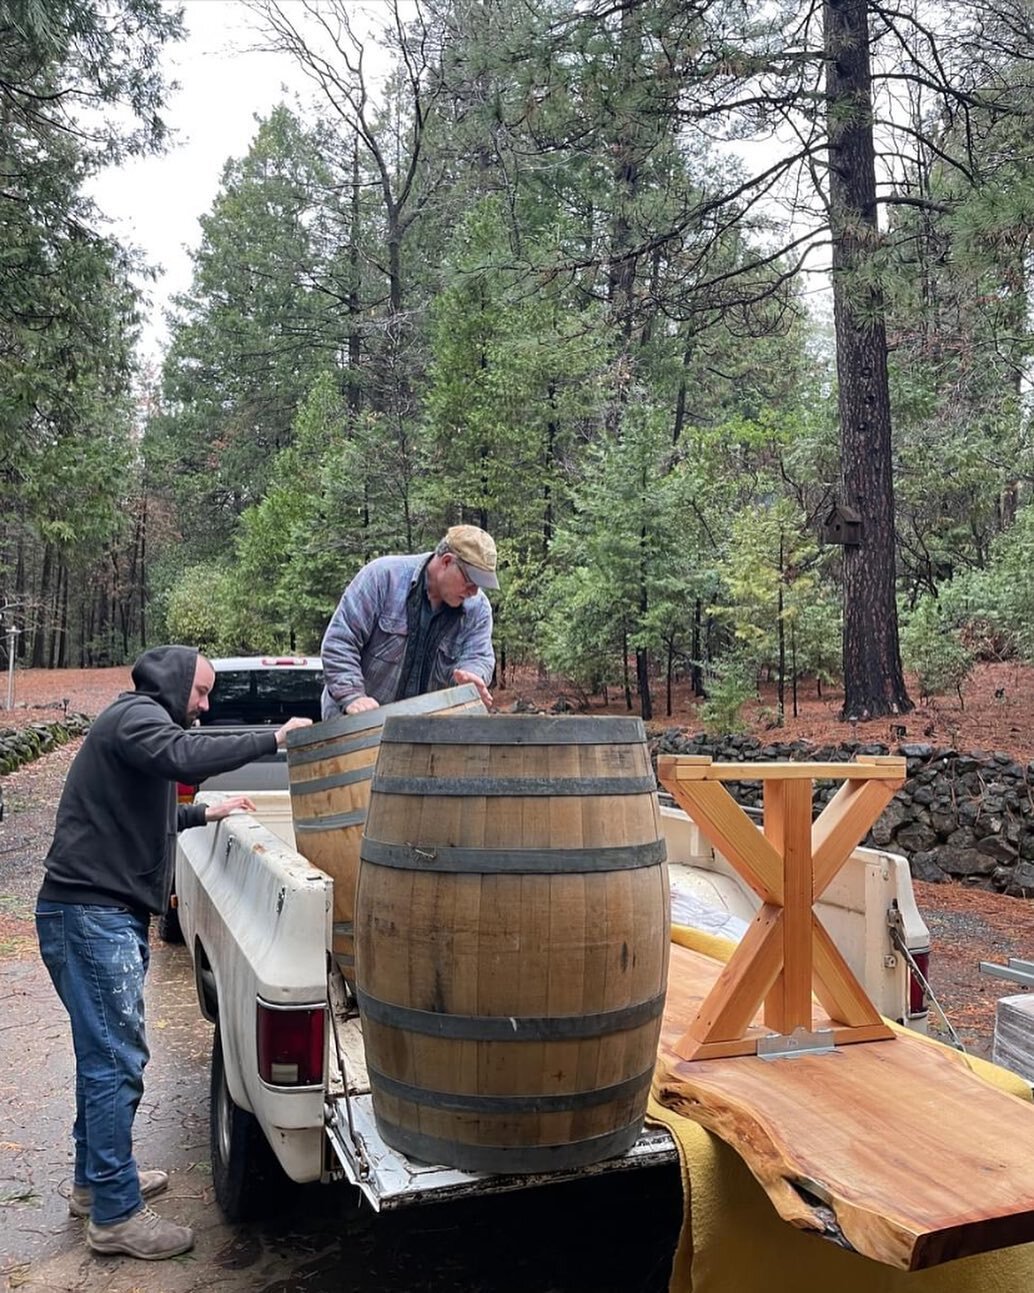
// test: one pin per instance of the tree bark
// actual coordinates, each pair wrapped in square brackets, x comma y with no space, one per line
[873,679]
[62,643]
[354,292]
[37,660]
[781,639]
[696,674]
[622,268]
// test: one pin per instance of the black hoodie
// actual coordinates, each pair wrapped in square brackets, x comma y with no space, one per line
[114,841]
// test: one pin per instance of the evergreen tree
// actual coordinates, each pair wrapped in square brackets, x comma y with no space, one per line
[248,341]
[81,89]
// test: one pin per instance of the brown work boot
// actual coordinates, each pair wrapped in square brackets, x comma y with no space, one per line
[145,1235]
[151,1183]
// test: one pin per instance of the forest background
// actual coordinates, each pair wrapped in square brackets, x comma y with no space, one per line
[525,280]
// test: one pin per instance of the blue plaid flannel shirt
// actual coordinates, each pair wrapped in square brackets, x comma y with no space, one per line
[364,646]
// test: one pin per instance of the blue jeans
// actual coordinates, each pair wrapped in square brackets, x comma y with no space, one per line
[97,958]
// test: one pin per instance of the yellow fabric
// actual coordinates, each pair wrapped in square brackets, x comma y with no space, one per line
[733,1240]
[712,945]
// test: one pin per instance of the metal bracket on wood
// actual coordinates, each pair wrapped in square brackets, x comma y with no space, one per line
[786,1046]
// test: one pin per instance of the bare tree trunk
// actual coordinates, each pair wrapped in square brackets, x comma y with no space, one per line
[697,668]
[86,651]
[57,619]
[39,635]
[642,672]
[873,678]
[781,637]
[99,637]
[62,646]
[642,655]
[354,294]
[622,269]
[21,646]
[143,572]
[680,401]
[549,466]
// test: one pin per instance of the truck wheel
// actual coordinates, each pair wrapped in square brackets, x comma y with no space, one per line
[247,1179]
[169,930]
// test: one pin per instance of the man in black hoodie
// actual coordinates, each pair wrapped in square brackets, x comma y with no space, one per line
[109,868]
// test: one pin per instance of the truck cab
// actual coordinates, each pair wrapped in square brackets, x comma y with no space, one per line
[251,692]
[256,692]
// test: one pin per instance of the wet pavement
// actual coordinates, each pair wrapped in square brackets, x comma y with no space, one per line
[593,1236]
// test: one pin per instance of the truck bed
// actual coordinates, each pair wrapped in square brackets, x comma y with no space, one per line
[388,1179]
[235,874]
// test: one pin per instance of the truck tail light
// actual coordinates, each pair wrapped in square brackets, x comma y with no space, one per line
[184,793]
[918,981]
[290,1044]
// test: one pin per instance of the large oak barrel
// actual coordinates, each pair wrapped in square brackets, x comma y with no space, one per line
[512,939]
[329,769]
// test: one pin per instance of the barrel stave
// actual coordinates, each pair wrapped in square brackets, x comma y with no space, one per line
[330,767]
[511,1004]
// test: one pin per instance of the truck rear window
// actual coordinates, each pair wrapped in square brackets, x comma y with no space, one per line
[257,697]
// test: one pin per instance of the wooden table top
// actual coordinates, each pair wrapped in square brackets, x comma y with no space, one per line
[894,1148]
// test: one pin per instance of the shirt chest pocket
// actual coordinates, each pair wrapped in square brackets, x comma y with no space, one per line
[448,654]
[388,643]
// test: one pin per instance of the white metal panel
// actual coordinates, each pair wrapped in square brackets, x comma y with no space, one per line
[390,1180]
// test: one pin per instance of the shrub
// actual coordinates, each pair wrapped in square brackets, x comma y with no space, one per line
[197,609]
[728,684]
[933,652]
[994,607]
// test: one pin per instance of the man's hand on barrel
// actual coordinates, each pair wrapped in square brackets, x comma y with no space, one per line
[361,704]
[460,676]
[290,726]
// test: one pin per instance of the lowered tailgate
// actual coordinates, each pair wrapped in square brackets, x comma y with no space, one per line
[389,1179]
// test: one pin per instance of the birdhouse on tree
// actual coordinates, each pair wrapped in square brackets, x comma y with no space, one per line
[843,525]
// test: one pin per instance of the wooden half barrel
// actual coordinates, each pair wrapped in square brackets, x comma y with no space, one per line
[512,939]
[329,767]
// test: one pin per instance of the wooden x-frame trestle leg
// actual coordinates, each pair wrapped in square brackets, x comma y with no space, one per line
[786,953]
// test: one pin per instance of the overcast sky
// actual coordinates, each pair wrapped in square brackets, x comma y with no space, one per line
[155,202]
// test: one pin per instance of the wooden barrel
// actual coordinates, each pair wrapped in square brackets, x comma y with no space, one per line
[512,939]
[329,769]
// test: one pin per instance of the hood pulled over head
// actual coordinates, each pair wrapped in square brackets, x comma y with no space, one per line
[166,673]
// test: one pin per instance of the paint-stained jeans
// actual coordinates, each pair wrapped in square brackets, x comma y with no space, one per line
[97,958]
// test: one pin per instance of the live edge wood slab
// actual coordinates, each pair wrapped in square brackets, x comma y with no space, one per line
[892,1148]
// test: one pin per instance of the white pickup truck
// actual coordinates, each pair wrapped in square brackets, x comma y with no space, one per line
[289,1088]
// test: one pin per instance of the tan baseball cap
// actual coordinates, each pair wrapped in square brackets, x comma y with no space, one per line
[476,550]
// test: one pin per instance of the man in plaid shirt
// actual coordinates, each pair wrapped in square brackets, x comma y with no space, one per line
[406,625]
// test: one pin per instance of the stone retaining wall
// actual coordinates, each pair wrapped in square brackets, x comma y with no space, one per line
[966,817]
[20,745]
